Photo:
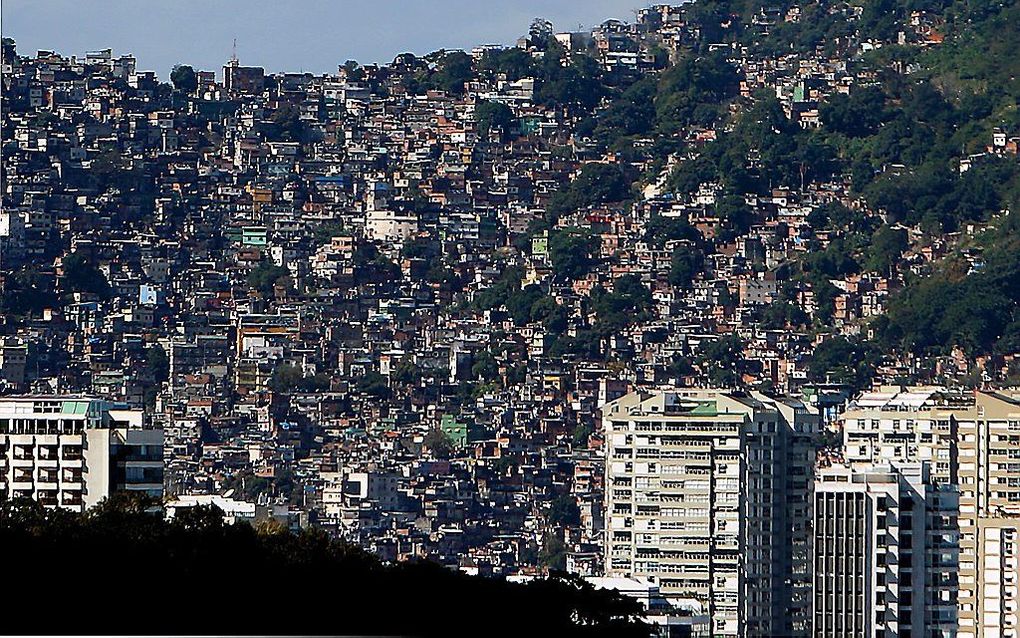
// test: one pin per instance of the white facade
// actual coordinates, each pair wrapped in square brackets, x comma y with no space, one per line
[390,226]
[873,553]
[73,452]
[972,441]
[697,503]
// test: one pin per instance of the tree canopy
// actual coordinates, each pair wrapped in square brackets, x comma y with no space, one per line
[120,536]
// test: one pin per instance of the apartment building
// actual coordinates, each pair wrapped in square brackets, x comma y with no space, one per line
[699,501]
[906,425]
[73,452]
[989,459]
[972,440]
[874,555]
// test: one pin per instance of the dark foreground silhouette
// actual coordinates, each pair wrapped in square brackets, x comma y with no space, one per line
[118,569]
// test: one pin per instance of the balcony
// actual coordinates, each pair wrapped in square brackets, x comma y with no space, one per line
[72,498]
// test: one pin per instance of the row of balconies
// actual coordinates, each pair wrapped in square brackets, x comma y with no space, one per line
[49,497]
[23,452]
[47,475]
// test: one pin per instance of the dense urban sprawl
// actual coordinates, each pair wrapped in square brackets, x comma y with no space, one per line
[464,307]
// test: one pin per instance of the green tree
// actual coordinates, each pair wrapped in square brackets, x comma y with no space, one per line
[485,367]
[513,62]
[494,116]
[286,378]
[856,115]
[596,184]
[26,291]
[454,71]
[374,385]
[721,360]
[287,123]
[266,276]
[183,78]
[627,303]
[157,363]
[439,444]
[581,434]
[121,533]
[81,275]
[684,265]
[554,552]
[563,511]
[887,245]
[576,85]
[572,252]
[844,360]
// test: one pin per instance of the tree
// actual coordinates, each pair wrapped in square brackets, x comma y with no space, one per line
[624,305]
[563,511]
[183,78]
[633,113]
[513,62]
[520,303]
[158,363]
[266,276]
[485,367]
[582,432]
[660,230]
[26,291]
[374,385]
[540,32]
[494,116]
[408,372]
[80,275]
[550,313]
[286,378]
[721,360]
[783,314]
[856,115]
[439,444]
[454,71]
[572,253]
[287,123]
[887,244]
[596,184]
[121,533]
[680,366]
[554,552]
[692,91]
[576,85]
[844,360]
[684,265]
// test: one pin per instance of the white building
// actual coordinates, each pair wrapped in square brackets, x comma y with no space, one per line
[708,497]
[234,511]
[74,451]
[390,226]
[972,441]
[874,549]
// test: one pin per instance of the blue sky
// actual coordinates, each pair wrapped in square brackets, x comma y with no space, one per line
[284,35]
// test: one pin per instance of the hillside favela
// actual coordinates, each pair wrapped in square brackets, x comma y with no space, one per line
[700,323]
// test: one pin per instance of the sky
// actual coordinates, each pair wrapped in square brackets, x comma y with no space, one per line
[284,35]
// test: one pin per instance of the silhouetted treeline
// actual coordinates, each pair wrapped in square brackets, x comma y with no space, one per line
[118,569]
